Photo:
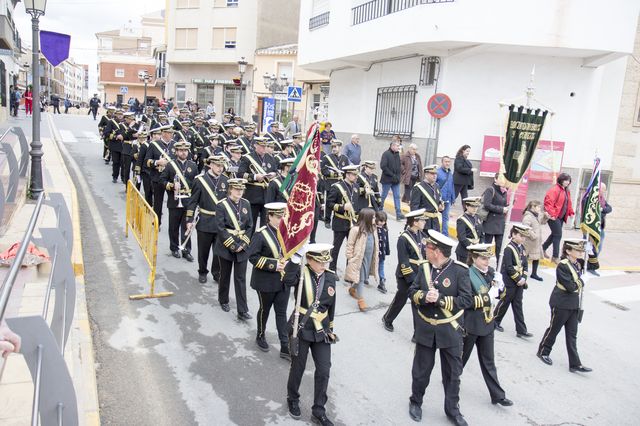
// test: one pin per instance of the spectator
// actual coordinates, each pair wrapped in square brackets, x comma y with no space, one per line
[390,179]
[211,109]
[396,138]
[447,191]
[384,249]
[28,101]
[55,102]
[292,128]
[231,112]
[494,200]
[326,136]
[67,105]
[17,96]
[174,112]
[170,105]
[463,173]
[353,150]
[534,217]
[9,341]
[557,204]
[12,95]
[362,255]
[94,104]
[411,170]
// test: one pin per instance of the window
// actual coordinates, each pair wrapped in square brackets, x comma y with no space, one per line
[232,3]
[231,97]
[429,70]
[188,4]
[186,38]
[286,68]
[181,94]
[204,94]
[225,3]
[394,111]
[106,44]
[120,72]
[224,38]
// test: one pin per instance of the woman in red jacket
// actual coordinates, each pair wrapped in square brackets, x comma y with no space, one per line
[28,101]
[557,204]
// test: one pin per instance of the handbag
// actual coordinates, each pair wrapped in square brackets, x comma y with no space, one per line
[483,213]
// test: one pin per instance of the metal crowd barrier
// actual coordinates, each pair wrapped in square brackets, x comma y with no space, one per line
[17,166]
[54,397]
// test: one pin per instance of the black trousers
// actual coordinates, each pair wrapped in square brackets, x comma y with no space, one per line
[484,346]
[511,295]
[94,111]
[567,318]
[312,237]
[177,229]
[56,109]
[488,239]
[555,237]
[321,353]
[239,283]
[399,300]
[206,240]
[116,166]
[406,195]
[451,366]
[462,191]
[126,167]
[257,210]
[338,239]
[158,199]
[147,186]
[106,155]
[279,300]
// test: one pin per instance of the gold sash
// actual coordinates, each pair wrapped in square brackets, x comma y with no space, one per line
[206,186]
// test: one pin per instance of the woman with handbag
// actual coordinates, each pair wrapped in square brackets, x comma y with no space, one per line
[565,305]
[557,204]
[362,255]
[534,217]
[463,172]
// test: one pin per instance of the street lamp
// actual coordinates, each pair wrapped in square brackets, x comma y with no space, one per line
[36,9]
[274,85]
[242,68]
[145,78]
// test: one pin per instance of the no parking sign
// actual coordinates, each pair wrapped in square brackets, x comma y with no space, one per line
[439,105]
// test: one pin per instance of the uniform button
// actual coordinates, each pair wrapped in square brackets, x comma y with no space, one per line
[435,315]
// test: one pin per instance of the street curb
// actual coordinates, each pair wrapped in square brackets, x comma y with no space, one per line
[86,350]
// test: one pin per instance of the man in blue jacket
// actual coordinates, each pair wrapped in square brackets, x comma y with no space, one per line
[445,183]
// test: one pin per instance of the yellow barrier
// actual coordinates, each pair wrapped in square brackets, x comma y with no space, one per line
[143,222]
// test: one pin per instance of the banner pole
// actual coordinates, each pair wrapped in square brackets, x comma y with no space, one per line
[506,225]
[296,314]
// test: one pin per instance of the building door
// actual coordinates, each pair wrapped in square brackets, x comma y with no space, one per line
[119,100]
[231,98]
[204,94]
[258,116]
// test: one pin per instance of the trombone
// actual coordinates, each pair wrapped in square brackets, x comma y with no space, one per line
[189,233]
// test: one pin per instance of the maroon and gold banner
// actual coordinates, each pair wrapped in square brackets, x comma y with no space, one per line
[297,224]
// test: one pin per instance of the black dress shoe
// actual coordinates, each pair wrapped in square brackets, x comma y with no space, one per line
[327,224]
[415,412]
[202,278]
[581,369]
[262,344]
[216,278]
[499,328]
[524,335]
[187,256]
[244,316]
[321,420]
[225,307]
[114,180]
[284,352]
[387,325]
[413,339]
[294,409]
[458,420]
[504,402]
[536,277]
[176,254]
[382,289]
[545,359]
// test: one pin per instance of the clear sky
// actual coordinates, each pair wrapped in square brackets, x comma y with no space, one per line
[82,19]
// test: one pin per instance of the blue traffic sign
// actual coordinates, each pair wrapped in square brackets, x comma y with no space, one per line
[294,94]
[268,113]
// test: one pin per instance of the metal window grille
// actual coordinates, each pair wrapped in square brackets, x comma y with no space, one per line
[230,44]
[394,111]
[319,21]
[378,8]
[429,70]
[232,3]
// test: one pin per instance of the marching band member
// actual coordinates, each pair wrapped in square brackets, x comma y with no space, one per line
[331,166]
[478,320]
[140,168]
[341,200]
[209,189]
[265,254]
[440,294]
[102,124]
[369,191]
[426,195]
[257,168]
[156,159]
[140,143]
[514,277]
[273,193]
[114,133]
[274,135]
[234,226]
[233,164]
[247,140]
[565,305]
[287,150]
[316,310]
[177,179]
[129,134]
[468,227]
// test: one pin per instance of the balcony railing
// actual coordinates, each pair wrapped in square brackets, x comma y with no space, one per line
[319,21]
[378,8]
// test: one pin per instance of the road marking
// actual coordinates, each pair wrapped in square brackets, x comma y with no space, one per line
[92,136]
[67,136]
[620,295]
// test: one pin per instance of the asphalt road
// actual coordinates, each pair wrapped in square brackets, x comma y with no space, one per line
[181,360]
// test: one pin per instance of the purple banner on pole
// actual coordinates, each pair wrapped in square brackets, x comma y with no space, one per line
[54,46]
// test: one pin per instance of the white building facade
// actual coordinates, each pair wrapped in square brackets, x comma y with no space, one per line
[386,58]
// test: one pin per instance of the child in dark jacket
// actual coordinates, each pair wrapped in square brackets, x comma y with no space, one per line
[383,248]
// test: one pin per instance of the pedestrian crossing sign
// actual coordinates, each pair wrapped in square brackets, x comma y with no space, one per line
[294,94]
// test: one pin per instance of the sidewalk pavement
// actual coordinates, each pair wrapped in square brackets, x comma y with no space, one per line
[16,387]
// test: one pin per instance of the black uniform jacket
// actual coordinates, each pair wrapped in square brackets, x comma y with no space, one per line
[128,134]
[186,172]
[514,264]
[469,230]
[141,155]
[566,293]
[264,253]
[440,324]
[276,137]
[410,254]
[330,165]
[206,193]
[478,318]
[273,194]
[250,166]
[340,194]
[419,199]
[233,226]
[372,201]
[111,132]
[157,150]
[246,144]
[102,124]
[321,319]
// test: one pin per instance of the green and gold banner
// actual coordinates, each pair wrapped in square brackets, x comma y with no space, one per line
[521,139]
